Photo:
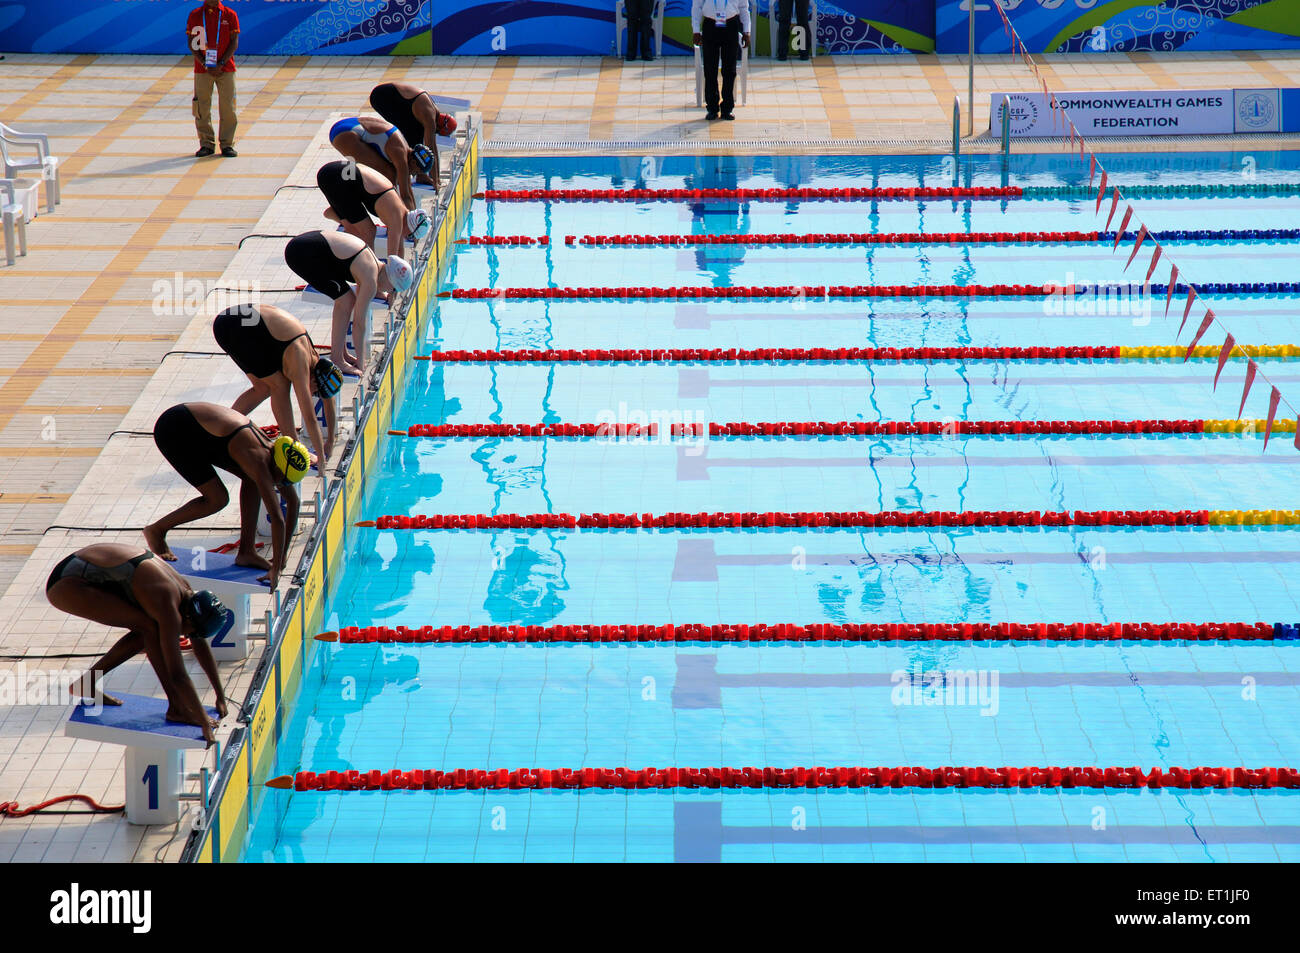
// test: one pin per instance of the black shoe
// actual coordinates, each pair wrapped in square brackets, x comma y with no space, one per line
[782,57]
[649,58]
[711,115]
[629,59]
[729,117]
[204,152]
[805,55]
[229,152]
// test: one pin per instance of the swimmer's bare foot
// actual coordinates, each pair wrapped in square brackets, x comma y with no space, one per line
[252,561]
[180,718]
[84,689]
[156,540]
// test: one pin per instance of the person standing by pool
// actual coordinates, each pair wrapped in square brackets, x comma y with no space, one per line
[197,439]
[805,41]
[412,110]
[333,263]
[640,29]
[720,28]
[212,33]
[275,351]
[125,587]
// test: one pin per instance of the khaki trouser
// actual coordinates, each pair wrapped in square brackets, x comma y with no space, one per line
[225,85]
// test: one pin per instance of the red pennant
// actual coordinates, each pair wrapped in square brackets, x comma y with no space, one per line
[1155,257]
[1101,192]
[1169,292]
[1114,204]
[1187,308]
[1251,367]
[1228,344]
[1273,400]
[1142,236]
[1297,433]
[1205,326]
[1128,213]
[1092,171]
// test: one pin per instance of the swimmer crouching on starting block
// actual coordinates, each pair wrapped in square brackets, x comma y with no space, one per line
[196,439]
[376,143]
[355,193]
[125,587]
[331,262]
[412,111]
[276,353]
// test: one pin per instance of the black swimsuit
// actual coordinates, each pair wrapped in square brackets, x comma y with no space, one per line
[347,192]
[312,258]
[192,450]
[388,101]
[242,333]
[114,580]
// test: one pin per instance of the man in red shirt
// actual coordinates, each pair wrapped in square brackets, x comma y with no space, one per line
[212,33]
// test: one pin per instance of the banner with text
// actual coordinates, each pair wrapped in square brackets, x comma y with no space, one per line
[1151,112]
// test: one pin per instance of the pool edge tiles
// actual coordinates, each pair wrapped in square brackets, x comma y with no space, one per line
[237,792]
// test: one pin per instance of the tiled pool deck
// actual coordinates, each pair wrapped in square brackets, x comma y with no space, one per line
[81,310]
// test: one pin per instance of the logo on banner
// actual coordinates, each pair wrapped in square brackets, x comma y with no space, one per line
[1255,110]
[1024,114]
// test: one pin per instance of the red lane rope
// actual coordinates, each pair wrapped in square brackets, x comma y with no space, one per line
[770,195]
[887,520]
[823,632]
[628,779]
[11,808]
[696,354]
[504,240]
[819,428]
[768,291]
[826,238]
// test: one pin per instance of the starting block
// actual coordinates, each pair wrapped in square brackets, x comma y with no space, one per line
[154,761]
[232,585]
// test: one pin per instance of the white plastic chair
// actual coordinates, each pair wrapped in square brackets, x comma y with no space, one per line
[620,26]
[15,222]
[774,29]
[44,165]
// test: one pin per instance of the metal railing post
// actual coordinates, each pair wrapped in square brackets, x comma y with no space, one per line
[956,132]
[1006,140]
[970,72]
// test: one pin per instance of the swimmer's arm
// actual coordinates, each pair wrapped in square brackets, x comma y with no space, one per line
[203,655]
[367,285]
[429,122]
[160,603]
[302,391]
[266,490]
[291,508]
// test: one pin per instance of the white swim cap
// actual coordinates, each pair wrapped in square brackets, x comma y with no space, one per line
[399,272]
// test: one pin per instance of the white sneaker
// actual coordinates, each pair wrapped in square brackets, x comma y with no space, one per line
[417,223]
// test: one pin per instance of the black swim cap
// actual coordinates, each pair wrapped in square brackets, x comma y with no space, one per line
[206,613]
[327,377]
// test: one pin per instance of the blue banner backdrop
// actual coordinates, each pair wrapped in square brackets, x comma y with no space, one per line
[586,27]
[1086,26]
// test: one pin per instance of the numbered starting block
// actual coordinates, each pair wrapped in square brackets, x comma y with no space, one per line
[155,762]
[232,585]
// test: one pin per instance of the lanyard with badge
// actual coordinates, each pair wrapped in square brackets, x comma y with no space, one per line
[720,14]
[210,56]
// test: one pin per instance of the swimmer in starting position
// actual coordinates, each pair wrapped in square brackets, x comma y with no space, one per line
[125,587]
[413,112]
[378,144]
[355,193]
[197,439]
[332,262]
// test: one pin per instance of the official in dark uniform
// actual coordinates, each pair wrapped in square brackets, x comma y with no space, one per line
[720,28]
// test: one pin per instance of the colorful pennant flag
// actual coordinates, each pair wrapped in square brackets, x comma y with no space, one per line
[1169,292]
[1142,236]
[1187,308]
[1119,232]
[1251,367]
[1155,257]
[1205,326]
[1114,204]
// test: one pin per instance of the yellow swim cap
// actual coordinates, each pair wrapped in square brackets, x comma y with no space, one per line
[291,458]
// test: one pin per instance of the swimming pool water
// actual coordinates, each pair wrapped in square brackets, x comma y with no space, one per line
[776,704]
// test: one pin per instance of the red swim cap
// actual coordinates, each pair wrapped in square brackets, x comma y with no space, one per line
[446,124]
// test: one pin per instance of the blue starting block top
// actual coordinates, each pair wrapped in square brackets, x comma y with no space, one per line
[220,574]
[139,722]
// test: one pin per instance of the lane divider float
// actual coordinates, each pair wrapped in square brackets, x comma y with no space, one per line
[629,779]
[889,519]
[752,195]
[732,355]
[822,632]
[854,428]
[826,292]
[905,238]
